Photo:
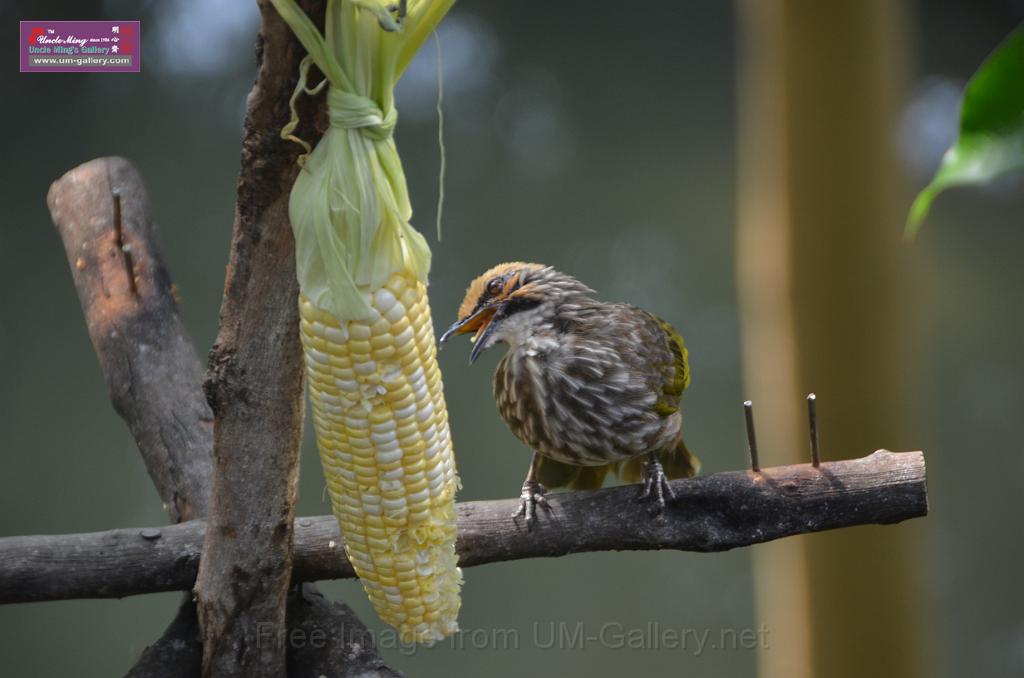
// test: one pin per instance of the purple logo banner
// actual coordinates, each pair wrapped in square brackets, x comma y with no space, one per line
[80,47]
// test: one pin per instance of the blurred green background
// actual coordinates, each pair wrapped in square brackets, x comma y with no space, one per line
[596,137]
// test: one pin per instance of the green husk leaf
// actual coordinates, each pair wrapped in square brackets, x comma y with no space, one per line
[991,140]
[349,206]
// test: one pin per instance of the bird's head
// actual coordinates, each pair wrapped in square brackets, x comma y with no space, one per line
[509,300]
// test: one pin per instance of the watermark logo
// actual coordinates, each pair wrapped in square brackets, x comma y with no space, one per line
[80,47]
[543,635]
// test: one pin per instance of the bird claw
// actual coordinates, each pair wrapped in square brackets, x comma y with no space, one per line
[530,498]
[656,485]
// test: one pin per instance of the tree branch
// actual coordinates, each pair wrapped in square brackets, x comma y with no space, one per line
[177,652]
[712,513]
[102,214]
[331,640]
[254,385]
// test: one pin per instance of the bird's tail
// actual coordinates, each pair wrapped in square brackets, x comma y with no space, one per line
[678,462]
[553,473]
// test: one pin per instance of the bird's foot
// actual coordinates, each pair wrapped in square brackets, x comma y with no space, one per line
[531,497]
[655,485]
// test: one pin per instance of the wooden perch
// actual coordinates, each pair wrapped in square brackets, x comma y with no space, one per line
[349,647]
[254,385]
[102,214]
[712,513]
[153,374]
[233,466]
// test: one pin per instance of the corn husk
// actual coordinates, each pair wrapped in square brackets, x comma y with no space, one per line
[349,207]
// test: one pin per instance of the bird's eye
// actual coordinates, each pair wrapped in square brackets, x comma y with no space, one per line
[494,286]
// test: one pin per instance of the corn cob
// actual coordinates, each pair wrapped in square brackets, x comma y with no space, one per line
[374,384]
[382,429]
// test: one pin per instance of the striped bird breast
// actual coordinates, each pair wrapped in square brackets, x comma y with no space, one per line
[583,402]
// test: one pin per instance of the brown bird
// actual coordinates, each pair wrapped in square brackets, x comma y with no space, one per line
[589,386]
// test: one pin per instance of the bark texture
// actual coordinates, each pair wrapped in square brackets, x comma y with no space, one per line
[103,216]
[254,386]
[712,513]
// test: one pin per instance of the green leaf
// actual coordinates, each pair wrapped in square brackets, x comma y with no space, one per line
[991,141]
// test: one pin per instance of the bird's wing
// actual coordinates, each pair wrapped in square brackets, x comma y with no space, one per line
[664,358]
[647,347]
[681,374]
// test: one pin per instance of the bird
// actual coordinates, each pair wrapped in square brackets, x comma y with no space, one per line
[591,387]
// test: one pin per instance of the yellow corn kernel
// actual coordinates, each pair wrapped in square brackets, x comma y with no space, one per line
[382,429]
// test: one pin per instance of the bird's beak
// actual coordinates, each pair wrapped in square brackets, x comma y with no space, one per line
[480,338]
[457,328]
[479,321]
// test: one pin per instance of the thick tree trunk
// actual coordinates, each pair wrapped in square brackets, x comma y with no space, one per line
[254,386]
[823,289]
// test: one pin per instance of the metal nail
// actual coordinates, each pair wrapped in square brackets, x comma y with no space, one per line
[748,410]
[812,415]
